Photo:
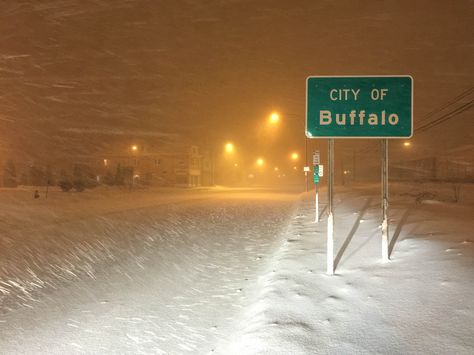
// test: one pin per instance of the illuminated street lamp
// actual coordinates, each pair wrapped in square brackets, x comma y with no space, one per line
[274,118]
[229,148]
[260,162]
[134,148]
[406,144]
[294,156]
[276,168]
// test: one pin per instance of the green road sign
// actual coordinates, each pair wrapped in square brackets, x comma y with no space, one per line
[316,174]
[359,106]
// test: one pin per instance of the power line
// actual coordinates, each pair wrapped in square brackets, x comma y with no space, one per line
[449,103]
[445,117]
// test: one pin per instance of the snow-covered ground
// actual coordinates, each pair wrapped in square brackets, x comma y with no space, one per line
[162,271]
[419,303]
[235,271]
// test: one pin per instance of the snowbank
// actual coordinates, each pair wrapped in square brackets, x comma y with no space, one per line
[419,302]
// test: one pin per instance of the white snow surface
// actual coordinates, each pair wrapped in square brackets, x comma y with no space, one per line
[147,272]
[418,303]
[235,272]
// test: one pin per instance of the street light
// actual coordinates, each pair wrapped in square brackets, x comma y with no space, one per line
[274,118]
[229,148]
[260,162]
[133,149]
[294,156]
[406,144]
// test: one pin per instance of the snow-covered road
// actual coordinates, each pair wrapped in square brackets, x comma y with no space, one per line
[160,273]
[236,272]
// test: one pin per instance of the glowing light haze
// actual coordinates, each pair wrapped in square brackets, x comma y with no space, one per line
[94,77]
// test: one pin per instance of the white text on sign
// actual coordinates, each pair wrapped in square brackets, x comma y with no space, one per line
[358,118]
[348,94]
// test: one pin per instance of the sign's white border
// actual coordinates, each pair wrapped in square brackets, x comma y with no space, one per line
[358,76]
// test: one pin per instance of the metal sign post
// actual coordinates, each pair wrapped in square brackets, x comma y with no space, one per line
[384,200]
[330,232]
[316,218]
[306,180]
[320,175]
[316,176]
[306,170]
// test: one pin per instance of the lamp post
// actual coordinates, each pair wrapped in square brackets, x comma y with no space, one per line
[133,149]
[228,174]
[274,118]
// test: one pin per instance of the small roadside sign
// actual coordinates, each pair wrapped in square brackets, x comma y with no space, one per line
[316,158]
[321,170]
[316,174]
[306,169]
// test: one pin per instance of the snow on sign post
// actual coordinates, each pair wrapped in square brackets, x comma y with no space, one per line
[359,107]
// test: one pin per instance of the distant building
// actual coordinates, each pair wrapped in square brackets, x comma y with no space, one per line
[453,165]
[188,168]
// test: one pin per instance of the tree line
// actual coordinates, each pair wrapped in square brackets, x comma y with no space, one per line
[81,176]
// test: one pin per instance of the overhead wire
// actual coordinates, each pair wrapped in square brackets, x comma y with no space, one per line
[445,117]
[449,103]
